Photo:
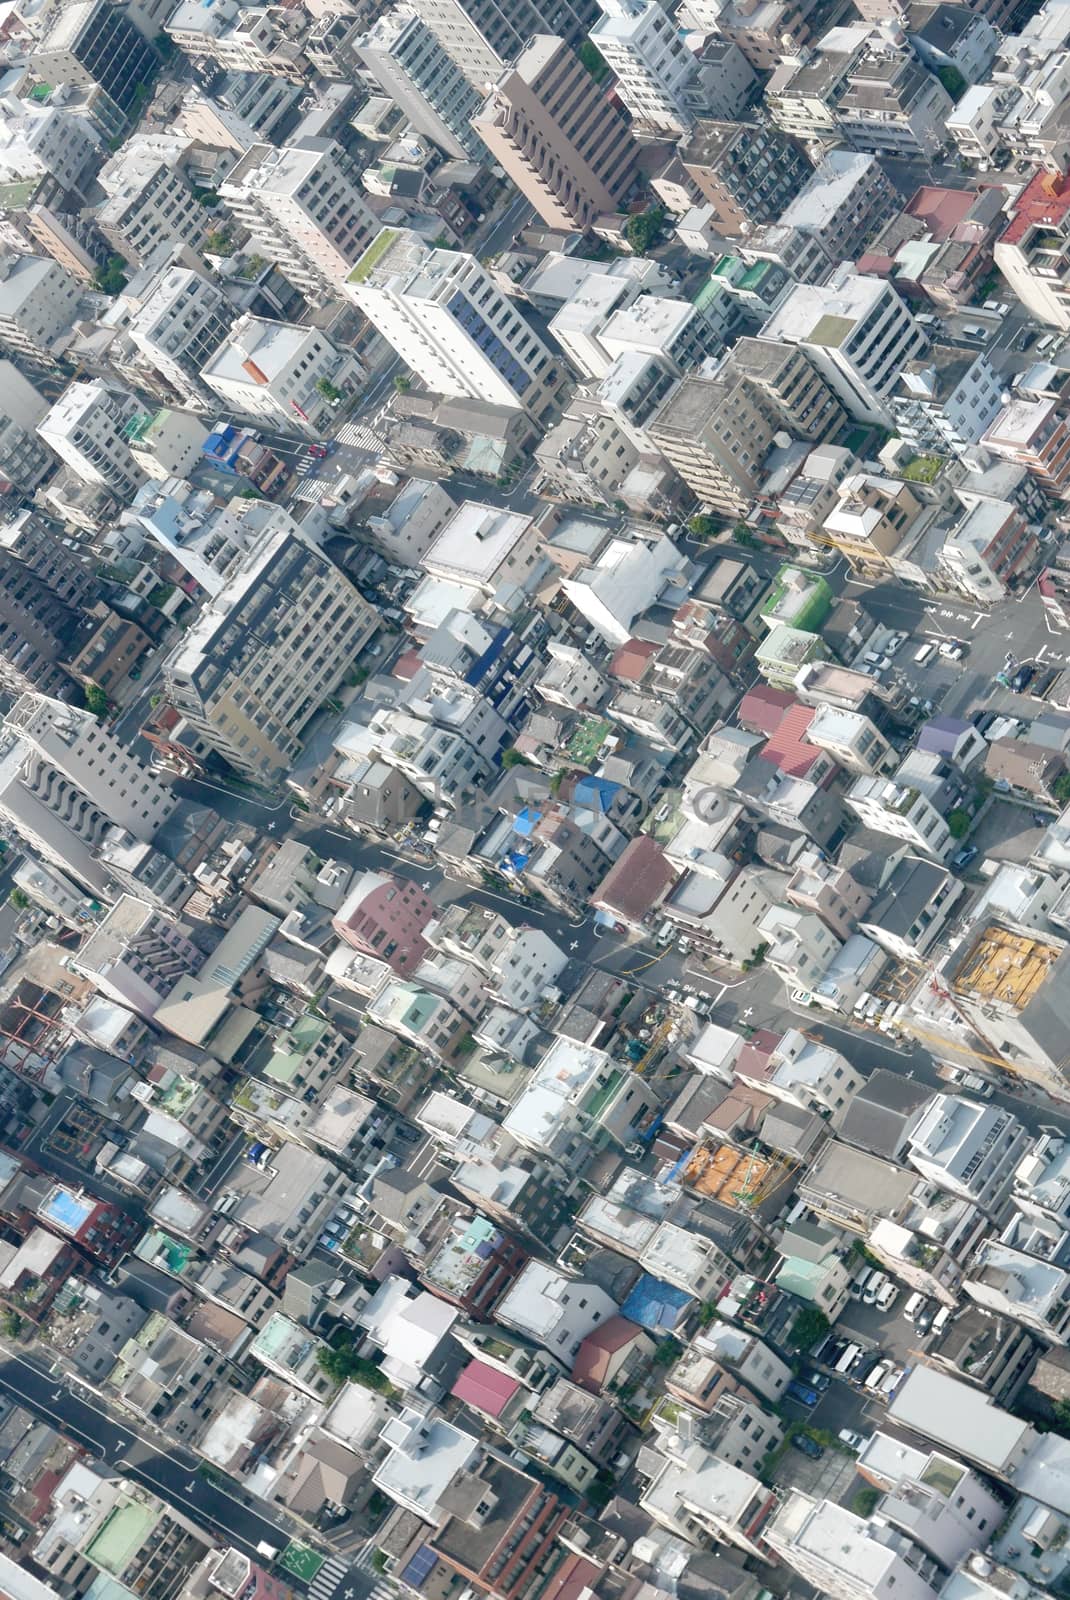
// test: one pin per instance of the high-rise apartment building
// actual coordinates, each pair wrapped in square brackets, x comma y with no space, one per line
[152,198]
[653,67]
[66,782]
[24,459]
[87,429]
[183,320]
[305,209]
[37,305]
[484,36]
[747,172]
[446,318]
[263,656]
[717,433]
[561,140]
[408,62]
[94,42]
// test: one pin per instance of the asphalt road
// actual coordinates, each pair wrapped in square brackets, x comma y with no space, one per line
[169,1471]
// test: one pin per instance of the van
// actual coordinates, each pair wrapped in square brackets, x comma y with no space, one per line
[878,1375]
[941,1320]
[913,1305]
[973,330]
[925,653]
[859,1281]
[926,320]
[848,1359]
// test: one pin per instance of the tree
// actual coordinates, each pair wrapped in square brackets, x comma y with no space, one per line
[958,823]
[219,243]
[643,231]
[1061,788]
[326,388]
[704,527]
[1061,1415]
[593,60]
[952,80]
[402,384]
[111,277]
[10,1324]
[514,758]
[864,1501]
[343,1364]
[96,700]
[808,1327]
[19,899]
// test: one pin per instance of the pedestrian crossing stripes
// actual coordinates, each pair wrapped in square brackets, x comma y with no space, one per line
[327,1579]
[337,1581]
[359,434]
[312,490]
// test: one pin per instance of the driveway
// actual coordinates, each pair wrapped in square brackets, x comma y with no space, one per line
[1006,832]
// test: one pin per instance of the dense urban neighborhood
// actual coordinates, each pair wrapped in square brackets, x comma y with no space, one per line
[534,800]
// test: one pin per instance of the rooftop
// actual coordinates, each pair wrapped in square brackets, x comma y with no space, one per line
[1005,968]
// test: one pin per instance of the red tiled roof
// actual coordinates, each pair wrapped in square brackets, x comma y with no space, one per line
[762,709]
[788,747]
[637,881]
[592,1358]
[573,1578]
[485,1388]
[632,660]
[941,210]
[407,665]
[755,1055]
[1045,200]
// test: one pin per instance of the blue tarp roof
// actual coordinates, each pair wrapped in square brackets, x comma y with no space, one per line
[655,1305]
[597,793]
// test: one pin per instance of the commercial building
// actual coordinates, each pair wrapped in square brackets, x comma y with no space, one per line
[288,376]
[273,644]
[446,318]
[565,145]
[893,106]
[1033,251]
[304,206]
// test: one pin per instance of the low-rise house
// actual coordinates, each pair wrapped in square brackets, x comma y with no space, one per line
[554,1311]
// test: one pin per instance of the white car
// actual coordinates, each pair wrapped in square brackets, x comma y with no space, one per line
[853,1441]
[952,651]
[874,1287]
[894,642]
[887,1295]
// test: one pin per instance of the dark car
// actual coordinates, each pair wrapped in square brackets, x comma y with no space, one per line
[800,1392]
[814,1380]
[962,858]
[1023,677]
[808,1446]
[1044,682]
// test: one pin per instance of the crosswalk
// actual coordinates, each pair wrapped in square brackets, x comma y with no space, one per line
[359,435]
[338,1581]
[312,490]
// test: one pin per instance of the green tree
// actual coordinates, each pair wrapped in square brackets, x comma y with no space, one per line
[10,1324]
[19,899]
[643,231]
[219,242]
[96,700]
[1061,1415]
[1061,788]
[864,1501]
[958,823]
[402,384]
[593,60]
[515,758]
[953,81]
[111,277]
[342,1363]
[327,389]
[704,527]
[809,1326]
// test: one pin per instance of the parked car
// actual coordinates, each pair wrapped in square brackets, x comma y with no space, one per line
[808,1446]
[1023,677]
[1043,683]
[964,857]
[800,1392]
[853,1441]
[859,1282]
[887,1295]
[877,1375]
[874,1287]
[894,642]
[815,1380]
[952,650]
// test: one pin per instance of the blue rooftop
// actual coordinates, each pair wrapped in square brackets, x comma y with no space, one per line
[655,1305]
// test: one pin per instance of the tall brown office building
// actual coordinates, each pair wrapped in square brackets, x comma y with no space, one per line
[567,148]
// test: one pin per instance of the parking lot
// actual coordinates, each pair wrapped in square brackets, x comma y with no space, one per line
[1006,832]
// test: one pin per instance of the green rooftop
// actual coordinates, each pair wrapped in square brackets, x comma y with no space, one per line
[301,1561]
[121,1536]
[13,196]
[585,743]
[373,255]
[922,469]
[293,1046]
[158,1247]
[603,1096]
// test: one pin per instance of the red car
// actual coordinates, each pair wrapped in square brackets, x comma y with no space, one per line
[318,452]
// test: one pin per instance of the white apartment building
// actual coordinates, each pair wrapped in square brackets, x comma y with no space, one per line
[183,321]
[287,376]
[444,315]
[845,1557]
[484,36]
[210,541]
[38,300]
[239,38]
[628,576]
[901,810]
[87,429]
[653,67]
[946,400]
[971,1150]
[807,1074]
[974,122]
[150,196]
[411,66]
[24,459]
[1015,1283]
[553,1310]
[274,643]
[857,332]
[305,209]
[65,781]
[39,140]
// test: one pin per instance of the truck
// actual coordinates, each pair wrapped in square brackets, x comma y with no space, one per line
[270,1552]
